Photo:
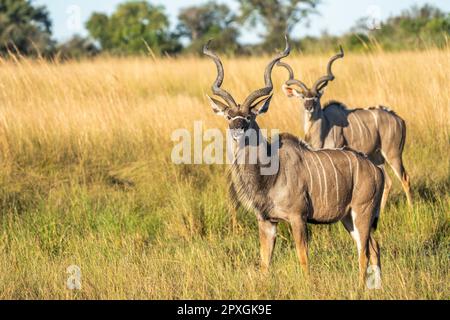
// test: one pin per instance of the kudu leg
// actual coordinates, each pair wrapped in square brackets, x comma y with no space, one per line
[374,252]
[407,187]
[387,188]
[396,164]
[360,234]
[267,236]
[300,234]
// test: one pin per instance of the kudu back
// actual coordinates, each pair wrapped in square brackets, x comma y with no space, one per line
[376,131]
[310,186]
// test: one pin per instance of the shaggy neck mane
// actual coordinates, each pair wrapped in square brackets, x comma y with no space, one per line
[248,186]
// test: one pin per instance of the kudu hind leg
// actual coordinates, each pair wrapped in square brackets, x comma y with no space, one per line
[374,252]
[267,236]
[387,188]
[360,234]
[396,164]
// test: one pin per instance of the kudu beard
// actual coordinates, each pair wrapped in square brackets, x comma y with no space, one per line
[250,149]
[253,149]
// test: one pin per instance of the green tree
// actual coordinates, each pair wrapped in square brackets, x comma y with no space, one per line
[210,20]
[413,28]
[278,17]
[135,27]
[24,28]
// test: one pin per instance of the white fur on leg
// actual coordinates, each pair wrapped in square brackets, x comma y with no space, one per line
[355,233]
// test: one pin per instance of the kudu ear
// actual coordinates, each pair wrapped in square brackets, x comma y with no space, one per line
[320,92]
[261,106]
[218,107]
[290,91]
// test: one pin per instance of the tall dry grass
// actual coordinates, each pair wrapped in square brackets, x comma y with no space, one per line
[86,179]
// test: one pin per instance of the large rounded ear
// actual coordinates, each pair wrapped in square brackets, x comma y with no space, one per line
[261,106]
[291,92]
[218,107]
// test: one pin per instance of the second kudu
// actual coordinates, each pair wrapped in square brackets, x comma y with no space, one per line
[376,131]
[310,186]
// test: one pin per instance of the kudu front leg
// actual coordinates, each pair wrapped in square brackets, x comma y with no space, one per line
[300,234]
[267,237]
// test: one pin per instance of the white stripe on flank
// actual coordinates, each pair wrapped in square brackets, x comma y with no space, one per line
[336,176]
[325,179]
[366,126]
[360,125]
[310,176]
[318,174]
[374,118]
[349,162]
[350,127]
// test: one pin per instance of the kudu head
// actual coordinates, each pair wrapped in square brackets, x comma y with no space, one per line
[310,96]
[241,117]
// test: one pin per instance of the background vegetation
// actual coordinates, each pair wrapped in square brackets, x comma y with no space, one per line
[138,27]
[86,179]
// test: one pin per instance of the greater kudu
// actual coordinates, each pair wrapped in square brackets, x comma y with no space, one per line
[322,187]
[376,131]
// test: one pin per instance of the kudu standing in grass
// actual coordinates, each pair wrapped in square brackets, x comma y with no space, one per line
[376,131]
[309,186]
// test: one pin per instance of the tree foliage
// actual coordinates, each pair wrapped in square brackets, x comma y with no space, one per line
[414,28]
[135,27]
[278,17]
[138,27]
[207,21]
[24,28]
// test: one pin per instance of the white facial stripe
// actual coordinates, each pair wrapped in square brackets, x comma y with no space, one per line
[239,117]
[309,99]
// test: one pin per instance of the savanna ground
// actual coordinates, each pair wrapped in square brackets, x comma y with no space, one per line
[86,179]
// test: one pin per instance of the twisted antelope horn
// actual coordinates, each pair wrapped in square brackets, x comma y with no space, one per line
[323,81]
[292,80]
[267,78]
[216,89]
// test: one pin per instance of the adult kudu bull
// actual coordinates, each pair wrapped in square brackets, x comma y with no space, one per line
[376,131]
[310,186]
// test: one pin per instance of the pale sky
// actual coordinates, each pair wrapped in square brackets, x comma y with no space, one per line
[336,16]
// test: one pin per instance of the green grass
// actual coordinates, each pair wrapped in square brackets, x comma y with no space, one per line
[171,237]
[86,180]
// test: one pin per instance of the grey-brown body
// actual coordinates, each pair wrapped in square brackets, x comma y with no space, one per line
[321,186]
[311,186]
[316,186]
[377,131]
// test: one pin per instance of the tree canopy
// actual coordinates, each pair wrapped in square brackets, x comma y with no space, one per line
[140,27]
[211,20]
[415,27]
[278,17]
[24,28]
[135,27]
